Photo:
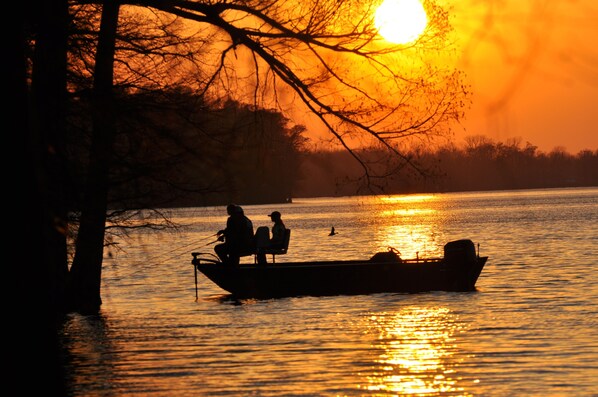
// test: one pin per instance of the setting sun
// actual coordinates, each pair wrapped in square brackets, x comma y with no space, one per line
[401,21]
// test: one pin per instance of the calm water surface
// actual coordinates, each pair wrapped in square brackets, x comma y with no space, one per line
[529,330]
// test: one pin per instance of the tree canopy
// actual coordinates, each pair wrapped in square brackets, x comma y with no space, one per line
[325,59]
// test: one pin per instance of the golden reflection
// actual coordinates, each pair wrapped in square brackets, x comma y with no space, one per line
[411,225]
[412,241]
[418,353]
[408,199]
[409,212]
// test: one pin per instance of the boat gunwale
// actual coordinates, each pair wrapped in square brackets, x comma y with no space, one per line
[310,264]
[348,262]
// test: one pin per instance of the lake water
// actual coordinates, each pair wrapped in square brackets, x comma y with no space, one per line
[530,329]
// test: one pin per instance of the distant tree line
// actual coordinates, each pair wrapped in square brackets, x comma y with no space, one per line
[487,165]
[173,149]
[480,164]
[195,155]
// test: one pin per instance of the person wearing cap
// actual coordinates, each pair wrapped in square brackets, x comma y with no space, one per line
[277,240]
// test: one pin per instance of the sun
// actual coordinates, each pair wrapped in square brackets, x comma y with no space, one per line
[401,21]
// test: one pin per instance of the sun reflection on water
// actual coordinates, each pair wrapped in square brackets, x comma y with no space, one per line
[411,225]
[408,198]
[417,353]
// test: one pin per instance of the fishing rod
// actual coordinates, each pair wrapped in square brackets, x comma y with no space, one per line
[210,243]
[210,236]
[187,245]
[166,255]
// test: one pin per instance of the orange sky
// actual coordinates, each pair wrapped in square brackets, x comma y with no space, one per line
[533,69]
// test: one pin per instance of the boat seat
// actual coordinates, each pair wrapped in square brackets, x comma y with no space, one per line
[276,251]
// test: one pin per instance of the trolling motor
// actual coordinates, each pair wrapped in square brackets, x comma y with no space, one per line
[196,261]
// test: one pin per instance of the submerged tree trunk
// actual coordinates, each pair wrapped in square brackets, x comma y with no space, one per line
[47,144]
[35,129]
[86,271]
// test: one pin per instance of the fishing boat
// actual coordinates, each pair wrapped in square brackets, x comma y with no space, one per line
[457,270]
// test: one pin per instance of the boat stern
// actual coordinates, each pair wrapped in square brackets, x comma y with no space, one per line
[464,262]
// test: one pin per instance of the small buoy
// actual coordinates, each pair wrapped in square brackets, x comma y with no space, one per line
[332,232]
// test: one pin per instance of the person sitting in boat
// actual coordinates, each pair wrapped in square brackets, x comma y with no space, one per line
[278,229]
[237,237]
[277,239]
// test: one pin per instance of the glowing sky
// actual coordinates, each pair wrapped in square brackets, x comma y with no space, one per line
[532,66]
[533,70]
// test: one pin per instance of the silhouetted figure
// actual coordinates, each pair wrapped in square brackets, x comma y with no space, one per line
[237,237]
[332,232]
[278,229]
[277,240]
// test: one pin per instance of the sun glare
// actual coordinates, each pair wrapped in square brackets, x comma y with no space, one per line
[401,21]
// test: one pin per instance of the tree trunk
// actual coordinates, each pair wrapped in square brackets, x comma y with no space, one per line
[35,121]
[86,271]
[47,143]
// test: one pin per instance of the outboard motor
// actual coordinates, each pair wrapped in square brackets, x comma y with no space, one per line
[461,256]
[460,250]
